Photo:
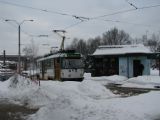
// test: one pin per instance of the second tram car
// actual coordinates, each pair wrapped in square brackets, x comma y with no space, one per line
[63,65]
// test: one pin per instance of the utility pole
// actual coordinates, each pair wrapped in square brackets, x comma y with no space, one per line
[4,58]
[19,49]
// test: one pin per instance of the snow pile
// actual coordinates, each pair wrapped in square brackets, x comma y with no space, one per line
[4,86]
[151,81]
[104,80]
[81,108]
[141,107]
[29,93]
[116,78]
[19,82]
[94,90]
[154,72]
[143,82]
[87,100]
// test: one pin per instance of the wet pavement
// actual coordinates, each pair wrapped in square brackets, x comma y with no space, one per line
[125,91]
[10,111]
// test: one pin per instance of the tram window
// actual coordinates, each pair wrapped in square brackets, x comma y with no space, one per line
[48,63]
[72,63]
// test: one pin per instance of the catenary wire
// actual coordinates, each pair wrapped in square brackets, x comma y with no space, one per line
[84,19]
[45,10]
[125,11]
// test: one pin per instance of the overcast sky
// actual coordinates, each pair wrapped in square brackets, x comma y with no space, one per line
[59,16]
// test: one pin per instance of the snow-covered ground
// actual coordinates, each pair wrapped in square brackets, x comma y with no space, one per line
[86,100]
[147,81]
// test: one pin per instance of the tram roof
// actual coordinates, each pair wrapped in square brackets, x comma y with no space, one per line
[52,56]
[60,54]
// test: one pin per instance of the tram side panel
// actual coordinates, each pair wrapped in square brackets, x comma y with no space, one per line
[45,71]
[72,74]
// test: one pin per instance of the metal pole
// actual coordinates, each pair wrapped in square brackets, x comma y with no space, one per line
[62,44]
[4,58]
[159,66]
[19,50]
[19,44]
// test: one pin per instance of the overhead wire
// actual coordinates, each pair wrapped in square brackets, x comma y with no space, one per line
[34,8]
[131,4]
[151,6]
[80,17]
[114,13]
[74,24]
[125,11]
[44,10]
[125,22]
[85,19]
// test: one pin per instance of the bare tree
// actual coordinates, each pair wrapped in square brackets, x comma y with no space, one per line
[111,37]
[73,44]
[154,43]
[116,37]
[92,44]
[31,52]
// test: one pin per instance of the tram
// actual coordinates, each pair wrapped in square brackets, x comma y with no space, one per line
[66,65]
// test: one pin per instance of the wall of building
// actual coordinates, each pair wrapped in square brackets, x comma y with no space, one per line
[126,65]
[123,66]
[146,63]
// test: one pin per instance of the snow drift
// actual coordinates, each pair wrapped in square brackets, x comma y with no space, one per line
[87,100]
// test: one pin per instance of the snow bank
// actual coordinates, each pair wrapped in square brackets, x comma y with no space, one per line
[151,81]
[133,108]
[141,107]
[154,72]
[87,100]
[143,82]
[28,93]
[20,83]
[4,86]
[104,80]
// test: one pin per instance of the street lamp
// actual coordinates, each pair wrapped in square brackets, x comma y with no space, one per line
[19,41]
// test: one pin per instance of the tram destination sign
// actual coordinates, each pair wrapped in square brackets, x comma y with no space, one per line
[74,55]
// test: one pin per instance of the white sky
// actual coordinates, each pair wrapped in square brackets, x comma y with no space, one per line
[45,22]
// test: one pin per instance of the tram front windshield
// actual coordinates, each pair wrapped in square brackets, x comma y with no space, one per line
[72,63]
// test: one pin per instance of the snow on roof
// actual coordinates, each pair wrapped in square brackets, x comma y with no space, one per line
[121,49]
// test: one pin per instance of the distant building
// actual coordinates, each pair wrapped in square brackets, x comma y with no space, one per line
[125,60]
[12,61]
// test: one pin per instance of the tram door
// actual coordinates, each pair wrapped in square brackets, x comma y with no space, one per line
[43,70]
[57,68]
